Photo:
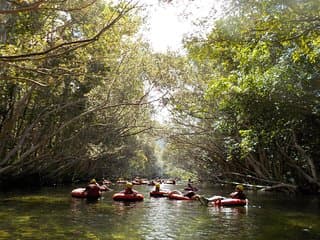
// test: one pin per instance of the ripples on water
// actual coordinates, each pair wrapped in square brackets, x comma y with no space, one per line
[53,214]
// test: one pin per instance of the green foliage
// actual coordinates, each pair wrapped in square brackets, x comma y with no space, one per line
[259,64]
[73,97]
[75,80]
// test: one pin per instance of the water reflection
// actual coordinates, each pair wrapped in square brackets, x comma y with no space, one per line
[166,218]
[229,211]
[122,208]
[55,215]
[76,207]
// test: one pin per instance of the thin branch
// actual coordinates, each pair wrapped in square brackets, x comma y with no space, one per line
[78,43]
[72,9]
[30,7]
[36,6]
[29,80]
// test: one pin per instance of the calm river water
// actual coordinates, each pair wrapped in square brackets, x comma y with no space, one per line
[51,213]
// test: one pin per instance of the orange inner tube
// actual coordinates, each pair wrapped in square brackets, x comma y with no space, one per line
[176,196]
[79,193]
[231,202]
[158,193]
[127,197]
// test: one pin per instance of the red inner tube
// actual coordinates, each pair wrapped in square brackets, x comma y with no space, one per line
[127,197]
[79,193]
[176,196]
[231,202]
[158,193]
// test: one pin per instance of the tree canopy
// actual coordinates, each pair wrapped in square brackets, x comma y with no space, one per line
[252,113]
[73,100]
[78,84]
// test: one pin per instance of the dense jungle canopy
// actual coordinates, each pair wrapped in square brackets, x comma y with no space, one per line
[77,80]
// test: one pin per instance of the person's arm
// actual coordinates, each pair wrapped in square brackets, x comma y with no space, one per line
[234,194]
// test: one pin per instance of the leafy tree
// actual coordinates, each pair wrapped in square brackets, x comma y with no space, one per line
[70,103]
[259,110]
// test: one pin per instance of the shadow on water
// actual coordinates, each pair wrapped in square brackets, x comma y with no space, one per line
[52,213]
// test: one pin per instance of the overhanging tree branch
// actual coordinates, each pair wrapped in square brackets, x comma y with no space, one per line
[30,7]
[67,46]
[37,6]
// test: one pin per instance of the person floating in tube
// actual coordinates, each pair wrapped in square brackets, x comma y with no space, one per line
[157,187]
[237,194]
[129,189]
[93,190]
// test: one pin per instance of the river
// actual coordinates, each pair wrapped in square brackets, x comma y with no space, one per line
[51,213]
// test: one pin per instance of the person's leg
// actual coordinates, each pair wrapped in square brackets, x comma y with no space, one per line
[215,198]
